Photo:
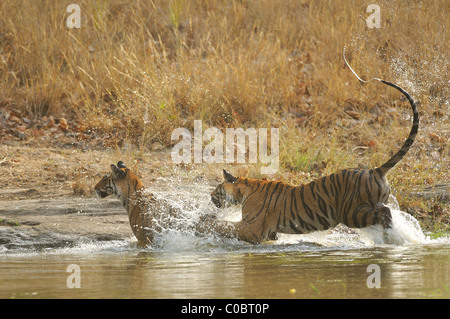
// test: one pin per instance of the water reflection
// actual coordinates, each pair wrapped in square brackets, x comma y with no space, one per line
[421,271]
[415,271]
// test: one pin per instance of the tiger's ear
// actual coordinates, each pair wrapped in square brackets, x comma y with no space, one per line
[228,177]
[120,164]
[117,173]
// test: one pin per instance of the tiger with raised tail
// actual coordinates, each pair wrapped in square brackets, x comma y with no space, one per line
[146,214]
[353,197]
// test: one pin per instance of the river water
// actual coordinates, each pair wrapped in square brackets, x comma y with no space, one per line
[338,263]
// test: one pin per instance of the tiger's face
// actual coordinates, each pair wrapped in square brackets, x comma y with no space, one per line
[233,190]
[105,186]
[119,182]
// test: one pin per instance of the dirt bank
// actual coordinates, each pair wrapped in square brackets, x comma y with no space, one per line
[47,198]
[61,221]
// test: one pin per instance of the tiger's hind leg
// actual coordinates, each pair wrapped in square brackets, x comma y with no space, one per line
[365,215]
[273,236]
[385,216]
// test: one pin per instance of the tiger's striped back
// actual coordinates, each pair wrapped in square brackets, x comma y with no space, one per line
[350,197]
[353,197]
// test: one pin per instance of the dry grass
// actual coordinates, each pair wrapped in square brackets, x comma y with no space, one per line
[138,69]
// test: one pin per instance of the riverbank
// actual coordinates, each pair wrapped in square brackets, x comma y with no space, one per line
[47,198]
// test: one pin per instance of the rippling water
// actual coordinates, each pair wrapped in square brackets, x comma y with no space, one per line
[338,263]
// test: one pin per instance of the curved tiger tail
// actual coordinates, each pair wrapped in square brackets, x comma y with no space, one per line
[397,157]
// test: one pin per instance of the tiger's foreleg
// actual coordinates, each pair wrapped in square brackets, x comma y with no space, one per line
[143,234]
[241,230]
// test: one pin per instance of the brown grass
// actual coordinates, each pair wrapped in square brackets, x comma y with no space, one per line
[138,69]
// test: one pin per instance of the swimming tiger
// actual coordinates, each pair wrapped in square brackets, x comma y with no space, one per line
[353,197]
[146,214]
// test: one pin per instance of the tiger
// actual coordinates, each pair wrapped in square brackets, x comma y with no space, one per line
[146,214]
[354,197]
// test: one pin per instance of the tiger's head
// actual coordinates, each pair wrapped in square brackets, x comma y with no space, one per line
[233,190]
[119,182]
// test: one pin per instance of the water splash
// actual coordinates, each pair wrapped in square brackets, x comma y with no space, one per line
[406,230]
[180,237]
